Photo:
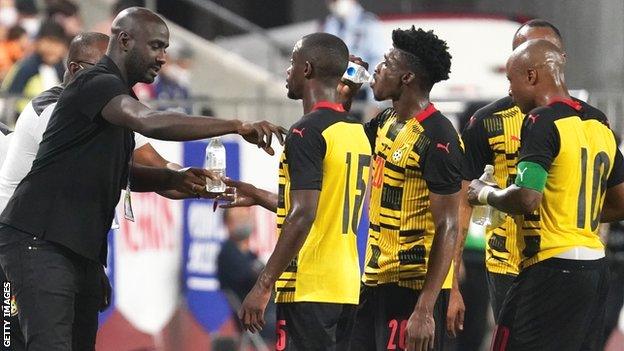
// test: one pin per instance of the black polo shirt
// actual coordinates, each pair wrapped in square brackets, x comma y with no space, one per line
[70,194]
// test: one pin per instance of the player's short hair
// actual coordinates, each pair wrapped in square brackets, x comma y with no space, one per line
[83,43]
[427,54]
[538,22]
[327,53]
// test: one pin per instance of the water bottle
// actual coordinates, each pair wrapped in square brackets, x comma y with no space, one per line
[215,162]
[356,74]
[486,215]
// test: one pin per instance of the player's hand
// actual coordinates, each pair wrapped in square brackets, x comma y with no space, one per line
[107,290]
[238,194]
[251,313]
[473,192]
[261,134]
[420,330]
[192,181]
[455,313]
[346,89]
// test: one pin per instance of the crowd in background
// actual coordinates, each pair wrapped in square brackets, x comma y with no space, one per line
[34,41]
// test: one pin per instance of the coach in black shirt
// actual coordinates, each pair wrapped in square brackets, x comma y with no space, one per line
[53,230]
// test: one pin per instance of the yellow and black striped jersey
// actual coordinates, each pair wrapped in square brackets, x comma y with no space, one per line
[493,137]
[325,150]
[572,141]
[411,159]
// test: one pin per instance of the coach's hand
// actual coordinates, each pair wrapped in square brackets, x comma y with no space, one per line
[420,330]
[192,181]
[455,313]
[261,134]
[251,313]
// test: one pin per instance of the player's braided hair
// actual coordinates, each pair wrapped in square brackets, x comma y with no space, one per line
[427,54]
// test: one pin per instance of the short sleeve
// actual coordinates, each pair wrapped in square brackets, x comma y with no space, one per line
[305,150]
[442,163]
[617,174]
[477,149]
[99,90]
[539,138]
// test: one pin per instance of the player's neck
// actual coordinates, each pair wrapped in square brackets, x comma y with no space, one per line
[554,94]
[410,105]
[119,60]
[315,92]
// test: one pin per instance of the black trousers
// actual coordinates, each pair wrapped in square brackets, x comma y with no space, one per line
[554,305]
[382,316]
[498,286]
[473,289]
[58,293]
[314,326]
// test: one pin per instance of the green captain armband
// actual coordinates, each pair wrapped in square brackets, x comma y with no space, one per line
[531,175]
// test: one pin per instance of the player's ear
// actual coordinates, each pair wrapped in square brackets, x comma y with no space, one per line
[307,70]
[124,39]
[407,78]
[532,76]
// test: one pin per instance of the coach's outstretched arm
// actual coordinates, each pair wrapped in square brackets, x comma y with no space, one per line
[295,230]
[124,110]
[421,325]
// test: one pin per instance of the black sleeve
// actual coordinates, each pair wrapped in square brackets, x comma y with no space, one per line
[98,90]
[617,173]
[305,152]
[539,138]
[478,152]
[443,161]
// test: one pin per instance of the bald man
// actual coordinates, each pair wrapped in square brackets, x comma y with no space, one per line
[492,136]
[86,153]
[567,160]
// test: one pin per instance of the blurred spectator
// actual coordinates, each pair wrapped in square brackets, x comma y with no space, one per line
[41,70]
[28,16]
[116,8]
[65,13]
[173,82]
[8,14]
[360,30]
[13,49]
[238,267]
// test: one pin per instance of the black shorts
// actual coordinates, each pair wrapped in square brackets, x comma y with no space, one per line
[498,286]
[382,315]
[554,305]
[314,326]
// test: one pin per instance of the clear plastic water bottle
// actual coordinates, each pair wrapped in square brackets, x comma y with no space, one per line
[486,215]
[215,162]
[356,73]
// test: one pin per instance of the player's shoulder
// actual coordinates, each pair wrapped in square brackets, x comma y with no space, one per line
[495,107]
[321,119]
[438,126]
[385,115]
[45,99]
[592,112]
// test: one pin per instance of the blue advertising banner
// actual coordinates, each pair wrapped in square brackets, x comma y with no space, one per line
[203,233]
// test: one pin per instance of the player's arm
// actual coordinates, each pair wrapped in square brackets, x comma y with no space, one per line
[442,172]
[613,207]
[540,145]
[348,90]
[248,195]
[295,230]
[123,110]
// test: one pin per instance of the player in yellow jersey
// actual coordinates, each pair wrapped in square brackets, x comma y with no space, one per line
[414,201]
[567,160]
[323,174]
[492,136]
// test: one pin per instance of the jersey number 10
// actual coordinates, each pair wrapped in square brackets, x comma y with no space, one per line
[350,212]
[598,187]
